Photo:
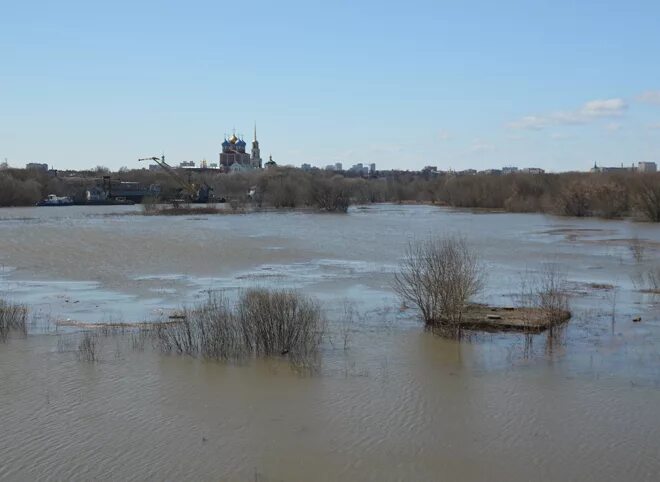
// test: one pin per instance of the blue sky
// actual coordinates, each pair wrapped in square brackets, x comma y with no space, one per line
[457,84]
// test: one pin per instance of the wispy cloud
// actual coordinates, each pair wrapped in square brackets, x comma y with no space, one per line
[613,127]
[530,122]
[588,112]
[654,126]
[650,97]
[480,146]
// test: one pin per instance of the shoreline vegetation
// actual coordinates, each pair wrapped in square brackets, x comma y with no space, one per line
[606,195]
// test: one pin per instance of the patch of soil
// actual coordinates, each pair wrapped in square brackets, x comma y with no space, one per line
[509,319]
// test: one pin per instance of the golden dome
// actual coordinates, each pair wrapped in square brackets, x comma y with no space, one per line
[233,139]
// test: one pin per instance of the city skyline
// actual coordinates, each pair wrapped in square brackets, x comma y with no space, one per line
[556,86]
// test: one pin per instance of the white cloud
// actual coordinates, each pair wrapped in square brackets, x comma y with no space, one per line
[530,122]
[654,126]
[588,112]
[604,108]
[613,127]
[650,97]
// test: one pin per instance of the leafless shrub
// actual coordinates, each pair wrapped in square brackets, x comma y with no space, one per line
[575,200]
[609,200]
[138,338]
[346,324]
[545,291]
[330,194]
[439,276]
[280,322]
[264,323]
[87,347]
[648,199]
[552,295]
[150,205]
[637,249]
[13,318]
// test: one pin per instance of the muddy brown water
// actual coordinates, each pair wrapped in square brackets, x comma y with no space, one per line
[398,404]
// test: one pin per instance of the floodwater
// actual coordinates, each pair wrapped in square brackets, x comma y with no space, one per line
[398,404]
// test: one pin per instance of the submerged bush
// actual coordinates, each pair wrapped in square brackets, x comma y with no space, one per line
[439,276]
[279,322]
[87,347]
[262,323]
[545,292]
[13,318]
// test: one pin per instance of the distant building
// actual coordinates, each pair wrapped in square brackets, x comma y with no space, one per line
[35,166]
[306,167]
[372,168]
[431,171]
[509,170]
[533,170]
[155,167]
[647,167]
[187,164]
[270,164]
[491,172]
[600,169]
[338,166]
[233,152]
[360,169]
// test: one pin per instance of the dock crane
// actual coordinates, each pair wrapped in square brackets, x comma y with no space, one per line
[194,193]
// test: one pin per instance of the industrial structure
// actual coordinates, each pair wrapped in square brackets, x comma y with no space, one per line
[189,191]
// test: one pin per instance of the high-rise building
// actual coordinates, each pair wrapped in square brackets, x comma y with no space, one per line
[36,166]
[647,167]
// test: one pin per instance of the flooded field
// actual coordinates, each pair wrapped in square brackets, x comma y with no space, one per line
[389,401]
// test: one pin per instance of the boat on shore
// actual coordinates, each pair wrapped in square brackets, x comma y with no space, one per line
[54,200]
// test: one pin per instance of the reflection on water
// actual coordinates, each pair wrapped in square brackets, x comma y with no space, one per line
[397,404]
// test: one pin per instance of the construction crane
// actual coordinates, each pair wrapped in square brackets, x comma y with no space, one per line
[201,194]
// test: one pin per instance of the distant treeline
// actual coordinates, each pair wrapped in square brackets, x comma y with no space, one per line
[612,195]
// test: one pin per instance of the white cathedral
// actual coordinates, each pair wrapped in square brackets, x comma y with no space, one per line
[233,157]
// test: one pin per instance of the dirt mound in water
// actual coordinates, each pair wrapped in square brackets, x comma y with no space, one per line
[510,319]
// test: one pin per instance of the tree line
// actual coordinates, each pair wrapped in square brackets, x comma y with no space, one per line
[611,195]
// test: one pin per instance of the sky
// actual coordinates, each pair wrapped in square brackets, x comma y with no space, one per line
[456,84]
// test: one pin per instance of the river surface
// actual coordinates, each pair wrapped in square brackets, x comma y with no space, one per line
[392,403]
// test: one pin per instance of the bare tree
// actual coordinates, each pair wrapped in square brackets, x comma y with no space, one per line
[648,199]
[439,276]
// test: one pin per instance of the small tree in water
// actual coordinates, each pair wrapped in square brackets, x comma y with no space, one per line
[439,276]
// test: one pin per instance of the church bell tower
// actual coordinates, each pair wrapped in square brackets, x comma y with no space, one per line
[256,154]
